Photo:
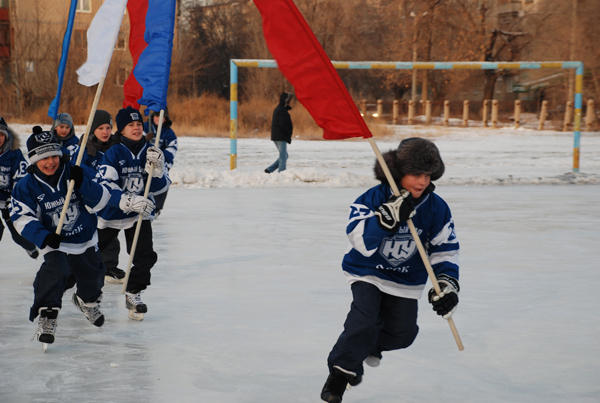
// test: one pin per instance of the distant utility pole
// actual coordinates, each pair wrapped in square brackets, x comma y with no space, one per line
[571,91]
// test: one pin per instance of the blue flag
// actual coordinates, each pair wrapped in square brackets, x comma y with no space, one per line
[53,109]
[154,65]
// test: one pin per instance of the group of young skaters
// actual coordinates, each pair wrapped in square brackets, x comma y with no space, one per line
[108,196]
[384,268]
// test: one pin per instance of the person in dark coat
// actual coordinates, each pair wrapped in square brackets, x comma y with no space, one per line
[281,131]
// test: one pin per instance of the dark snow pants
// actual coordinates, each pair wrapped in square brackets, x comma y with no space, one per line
[376,322]
[144,258]
[51,280]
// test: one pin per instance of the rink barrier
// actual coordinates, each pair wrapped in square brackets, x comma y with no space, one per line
[259,63]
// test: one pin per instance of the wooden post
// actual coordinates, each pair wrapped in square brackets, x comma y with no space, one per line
[363,107]
[568,116]
[486,106]
[379,108]
[494,114]
[589,115]
[446,113]
[396,112]
[517,114]
[543,115]
[427,112]
[465,113]
[411,111]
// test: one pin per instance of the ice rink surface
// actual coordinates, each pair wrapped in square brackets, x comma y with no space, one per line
[248,296]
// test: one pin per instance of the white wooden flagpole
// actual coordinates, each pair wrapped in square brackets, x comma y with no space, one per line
[415,235]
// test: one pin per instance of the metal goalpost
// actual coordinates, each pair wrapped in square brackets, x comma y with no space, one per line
[578,66]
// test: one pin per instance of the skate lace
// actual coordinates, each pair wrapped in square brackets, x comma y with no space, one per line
[45,326]
[92,313]
[134,299]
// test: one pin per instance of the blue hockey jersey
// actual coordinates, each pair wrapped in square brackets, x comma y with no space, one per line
[70,146]
[36,206]
[391,260]
[13,167]
[121,171]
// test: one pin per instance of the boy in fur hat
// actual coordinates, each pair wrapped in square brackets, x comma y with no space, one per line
[13,167]
[98,143]
[63,129]
[384,267]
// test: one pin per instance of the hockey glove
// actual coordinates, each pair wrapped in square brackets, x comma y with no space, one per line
[445,303]
[397,209]
[155,157]
[76,175]
[52,240]
[139,204]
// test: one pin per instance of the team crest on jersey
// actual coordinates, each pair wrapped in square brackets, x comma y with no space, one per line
[4,180]
[134,183]
[43,137]
[398,248]
[70,217]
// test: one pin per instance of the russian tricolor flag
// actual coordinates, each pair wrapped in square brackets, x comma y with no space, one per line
[152,25]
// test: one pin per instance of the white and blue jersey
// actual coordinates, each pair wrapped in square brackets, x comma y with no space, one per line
[70,146]
[121,171]
[167,143]
[13,167]
[391,260]
[36,206]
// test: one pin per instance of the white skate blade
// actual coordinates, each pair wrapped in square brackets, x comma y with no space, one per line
[135,315]
[108,279]
[44,347]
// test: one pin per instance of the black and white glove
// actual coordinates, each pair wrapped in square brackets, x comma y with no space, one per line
[76,175]
[445,303]
[139,204]
[52,240]
[396,210]
[155,157]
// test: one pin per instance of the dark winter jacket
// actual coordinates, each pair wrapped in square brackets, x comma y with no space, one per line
[281,126]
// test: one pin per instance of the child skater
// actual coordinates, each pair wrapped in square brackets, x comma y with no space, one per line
[124,168]
[384,267]
[37,203]
[99,141]
[13,167]
[64,131]
[167,144]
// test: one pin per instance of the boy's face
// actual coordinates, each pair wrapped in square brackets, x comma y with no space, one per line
[134,130]
[62,130]
[416,184]
[48,165]
[2,138]
[102,132]
[156,118]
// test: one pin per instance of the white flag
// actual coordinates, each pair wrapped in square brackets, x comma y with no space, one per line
[101,38]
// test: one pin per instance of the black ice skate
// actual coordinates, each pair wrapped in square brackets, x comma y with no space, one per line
[91,310]
[336,384]
[115,275]
[46,326]
[134,304]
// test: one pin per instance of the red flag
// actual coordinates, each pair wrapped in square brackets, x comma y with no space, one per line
[137,10]
[304,63]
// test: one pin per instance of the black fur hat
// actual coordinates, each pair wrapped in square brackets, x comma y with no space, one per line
[413,156]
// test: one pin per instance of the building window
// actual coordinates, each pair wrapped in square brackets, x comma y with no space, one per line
[120,45]
[80,38]
[29,67]
[84,6]
[4,3]
[122,75]
[4,34]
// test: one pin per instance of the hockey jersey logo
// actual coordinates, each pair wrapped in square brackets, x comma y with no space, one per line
[134,184]
[4,181]
[398,248]
[70,217]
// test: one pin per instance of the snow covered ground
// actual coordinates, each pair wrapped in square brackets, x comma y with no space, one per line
[248,297]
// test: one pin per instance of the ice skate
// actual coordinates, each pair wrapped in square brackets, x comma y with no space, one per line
[91,310]
[338,380]
[135,306]
[46,326]
[115,276]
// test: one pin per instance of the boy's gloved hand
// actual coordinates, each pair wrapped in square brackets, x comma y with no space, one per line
[155,157]
[52,240]
[76,175]
[445,303]
[139,204]
[397,209]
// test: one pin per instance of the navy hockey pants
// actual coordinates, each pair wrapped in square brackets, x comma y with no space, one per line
[51,279]
[144,258]
[376,322]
